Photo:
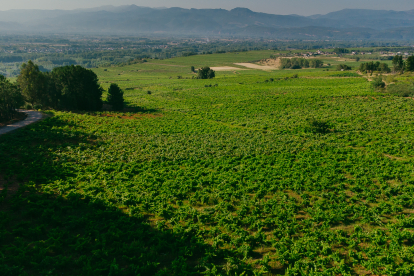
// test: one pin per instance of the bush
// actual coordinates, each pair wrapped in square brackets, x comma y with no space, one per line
[317,126]
[343,67]
[377,83]
[115,97]
[401,89]
[206,73]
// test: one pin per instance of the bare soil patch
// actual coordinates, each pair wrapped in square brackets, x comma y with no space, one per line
[256,66]
[272,62]
[226,68]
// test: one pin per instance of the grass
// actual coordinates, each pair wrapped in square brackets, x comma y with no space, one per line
[219,180]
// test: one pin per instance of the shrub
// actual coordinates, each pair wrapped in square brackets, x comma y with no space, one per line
[317,126]
[115,97]
[401,89]
[377,83]
[206,73]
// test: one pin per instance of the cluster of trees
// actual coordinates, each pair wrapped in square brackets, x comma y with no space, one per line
[371,67]
[400,65]
[339,51]
[68,88]
[10,99]
[299,63]
[64,88]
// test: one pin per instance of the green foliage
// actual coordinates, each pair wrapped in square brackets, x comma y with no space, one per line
[75,88]
[115,97]
[32,83]
[10,99]
[401,89]
[409,64]
[378,83]
[343,67]
[398,63]
[340,51]
[317,126]
[374,66]
[346,74]
[298,63]
[215,181]
[206,73]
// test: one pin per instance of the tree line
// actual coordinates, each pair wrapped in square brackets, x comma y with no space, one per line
[64,88]
[298,63]
[399,66]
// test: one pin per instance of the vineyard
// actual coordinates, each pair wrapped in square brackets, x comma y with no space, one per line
[250,173]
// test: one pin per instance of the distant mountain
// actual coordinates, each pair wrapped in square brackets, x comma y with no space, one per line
[346,24]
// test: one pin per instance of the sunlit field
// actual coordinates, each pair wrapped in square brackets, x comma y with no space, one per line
[281,172]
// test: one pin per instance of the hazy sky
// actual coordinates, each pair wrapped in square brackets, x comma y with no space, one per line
[302,7]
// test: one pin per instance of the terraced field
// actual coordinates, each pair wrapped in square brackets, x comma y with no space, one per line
[251,173]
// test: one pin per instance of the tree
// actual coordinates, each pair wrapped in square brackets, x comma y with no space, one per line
[76,88]
[343,67]
[10,99]
[206,73]
[115,97]
[409,64]
[398,63]
[192,69]
[32,83]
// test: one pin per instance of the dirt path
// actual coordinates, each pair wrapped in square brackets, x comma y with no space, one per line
[32,116]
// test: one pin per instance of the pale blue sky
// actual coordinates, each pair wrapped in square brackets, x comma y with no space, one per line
[302,7]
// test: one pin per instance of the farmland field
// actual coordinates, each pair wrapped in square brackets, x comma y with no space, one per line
[250,173]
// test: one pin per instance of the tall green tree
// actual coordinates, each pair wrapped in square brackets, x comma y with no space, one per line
[32,83]
[115,97]
[398,63]
[76,88]
[206,73]
[409,64]
[10,99]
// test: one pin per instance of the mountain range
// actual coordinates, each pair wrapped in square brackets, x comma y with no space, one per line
[348,24]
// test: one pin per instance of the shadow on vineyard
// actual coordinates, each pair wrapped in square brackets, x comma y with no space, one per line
[62,232]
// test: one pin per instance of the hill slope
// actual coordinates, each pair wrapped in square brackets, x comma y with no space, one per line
[345,24]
